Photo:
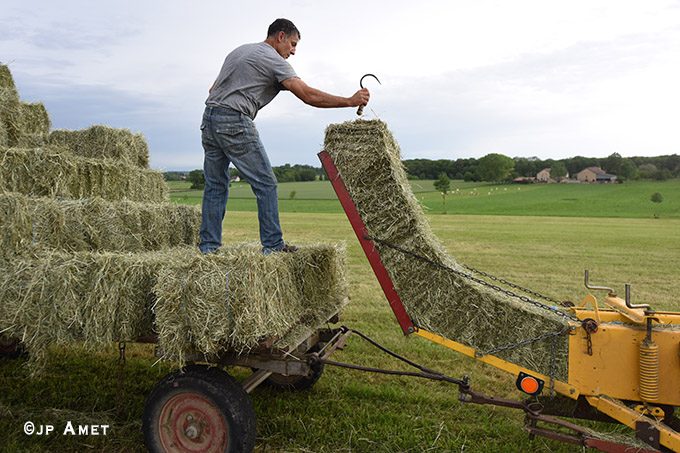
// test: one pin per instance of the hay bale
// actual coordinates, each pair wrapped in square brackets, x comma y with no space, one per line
[240,296]
[51,173]
[9,101]
[33,126]
[4,140]
[59,298]
[104,142]
[200,303]
[34,224]
[25,124]
[6,79]
[369,162]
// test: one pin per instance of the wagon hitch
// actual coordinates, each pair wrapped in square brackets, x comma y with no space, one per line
[345,333]
[569,432]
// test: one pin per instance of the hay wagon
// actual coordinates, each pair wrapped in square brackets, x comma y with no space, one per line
[202,408]
[235,308]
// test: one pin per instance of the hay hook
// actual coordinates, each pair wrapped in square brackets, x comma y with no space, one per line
[360,110]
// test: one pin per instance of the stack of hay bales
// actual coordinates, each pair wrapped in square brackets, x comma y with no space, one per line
[369,163]
[93,252]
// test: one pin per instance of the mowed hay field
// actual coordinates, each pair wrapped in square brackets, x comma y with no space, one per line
[629,200]
[352,411]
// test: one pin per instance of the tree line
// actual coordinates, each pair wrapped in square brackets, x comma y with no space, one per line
[283,173]
[492,167]
[499,168]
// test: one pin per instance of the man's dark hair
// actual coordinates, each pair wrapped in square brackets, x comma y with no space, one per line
[283,25]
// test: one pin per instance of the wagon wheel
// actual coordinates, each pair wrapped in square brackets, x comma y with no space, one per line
[10,347]
[296,383]
[199,409]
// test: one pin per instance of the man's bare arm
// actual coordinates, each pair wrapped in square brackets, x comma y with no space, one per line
[318,98]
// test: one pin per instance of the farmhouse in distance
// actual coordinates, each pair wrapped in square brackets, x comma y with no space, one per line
[588,175]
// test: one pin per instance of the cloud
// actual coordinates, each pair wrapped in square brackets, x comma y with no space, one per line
[460,79]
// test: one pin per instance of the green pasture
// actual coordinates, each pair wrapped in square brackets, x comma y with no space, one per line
[628,200]
[347,410]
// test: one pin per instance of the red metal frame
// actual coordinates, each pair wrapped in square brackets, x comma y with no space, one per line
[369,249]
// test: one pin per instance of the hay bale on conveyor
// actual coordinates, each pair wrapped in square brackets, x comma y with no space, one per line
[50,173]
[196,303]
[33,224]
[368,159]
[104,142]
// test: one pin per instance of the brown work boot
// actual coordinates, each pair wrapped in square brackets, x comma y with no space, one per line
[289,248]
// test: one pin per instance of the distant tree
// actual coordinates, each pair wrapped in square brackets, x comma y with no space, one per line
[528,166]
[172,175]
[468,176]
[292,198]
[495,167]
[307,174]
[442,185]
[197,179]
[662,175]
[656,198]
[558,170]
[611,163]
[647,170]
[628,169]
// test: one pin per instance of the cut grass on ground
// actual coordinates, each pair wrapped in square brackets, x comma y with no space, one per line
[348,410]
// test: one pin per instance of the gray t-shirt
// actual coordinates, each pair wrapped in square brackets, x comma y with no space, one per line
[250,78]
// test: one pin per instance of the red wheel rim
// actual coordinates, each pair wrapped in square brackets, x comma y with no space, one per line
[192,423]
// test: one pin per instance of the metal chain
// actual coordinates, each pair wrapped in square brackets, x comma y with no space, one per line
[507,292]
[512,285]
[523,342]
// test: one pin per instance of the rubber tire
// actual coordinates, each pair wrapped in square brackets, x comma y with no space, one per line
[297,383]
[220,389]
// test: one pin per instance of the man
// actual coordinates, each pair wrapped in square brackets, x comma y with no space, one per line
[251,76]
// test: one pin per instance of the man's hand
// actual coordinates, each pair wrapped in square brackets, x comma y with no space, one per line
[318,98]
[361,97]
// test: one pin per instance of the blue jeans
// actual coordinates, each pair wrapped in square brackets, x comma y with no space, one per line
[228,137]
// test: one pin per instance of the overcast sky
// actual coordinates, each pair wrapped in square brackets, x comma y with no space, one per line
[460,79]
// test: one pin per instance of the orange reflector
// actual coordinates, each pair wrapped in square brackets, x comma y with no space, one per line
[529,384]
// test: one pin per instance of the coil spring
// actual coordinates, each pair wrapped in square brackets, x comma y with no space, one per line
[649,371]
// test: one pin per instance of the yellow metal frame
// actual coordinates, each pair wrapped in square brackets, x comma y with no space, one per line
[611,372]
[619,411]
[560,387]
[613,368]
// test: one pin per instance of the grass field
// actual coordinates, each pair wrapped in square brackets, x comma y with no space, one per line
[353,412]
[629,200]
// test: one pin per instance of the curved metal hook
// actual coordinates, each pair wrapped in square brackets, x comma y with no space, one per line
[368,75]
[360,110]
